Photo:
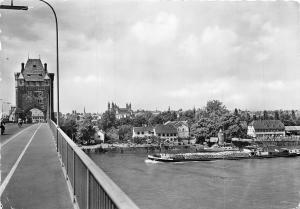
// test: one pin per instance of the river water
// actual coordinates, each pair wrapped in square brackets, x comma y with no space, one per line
[224,184]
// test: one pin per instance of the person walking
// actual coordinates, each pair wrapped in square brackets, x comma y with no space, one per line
[20,122]
[2,127]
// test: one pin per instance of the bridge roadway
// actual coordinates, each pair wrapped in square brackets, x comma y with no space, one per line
[31,173]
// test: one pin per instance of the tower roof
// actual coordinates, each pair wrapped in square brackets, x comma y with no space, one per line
[34,70]
[20,76]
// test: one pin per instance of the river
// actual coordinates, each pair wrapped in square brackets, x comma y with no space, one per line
[224,184]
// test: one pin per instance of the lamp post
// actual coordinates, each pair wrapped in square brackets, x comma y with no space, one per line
[57,59]
[57,70]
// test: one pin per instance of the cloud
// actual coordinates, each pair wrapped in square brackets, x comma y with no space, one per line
[89,79]
[155,30]
[190,46]
[185,54]
[218,36]
[275,85]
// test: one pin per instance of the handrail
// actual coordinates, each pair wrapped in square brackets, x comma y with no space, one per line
[118,197]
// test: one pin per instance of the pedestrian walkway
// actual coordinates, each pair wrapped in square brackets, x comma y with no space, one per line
[35,179]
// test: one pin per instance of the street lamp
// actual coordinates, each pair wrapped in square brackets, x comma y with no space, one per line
[57,71]
[57,60]
[11,6]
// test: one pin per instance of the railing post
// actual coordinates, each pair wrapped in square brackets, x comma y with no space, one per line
[87,188]
[67,160]
[74,195]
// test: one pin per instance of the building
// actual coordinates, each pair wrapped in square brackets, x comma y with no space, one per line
[142,132]
[266,128]
[99,136]
[37,116]
[182,128]
[34,90]
[292,130]
[166,132]
[120,112]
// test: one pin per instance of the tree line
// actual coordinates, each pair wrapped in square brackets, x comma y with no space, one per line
[204,122]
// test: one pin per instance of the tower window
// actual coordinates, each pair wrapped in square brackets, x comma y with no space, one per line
[34,65]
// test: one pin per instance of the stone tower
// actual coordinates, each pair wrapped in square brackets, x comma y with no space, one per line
[34,89]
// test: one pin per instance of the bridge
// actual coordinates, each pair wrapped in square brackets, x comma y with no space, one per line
[41,167]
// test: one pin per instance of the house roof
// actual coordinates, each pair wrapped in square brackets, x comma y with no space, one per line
[292,128]
[143,129]
[177,124]
[165,129]
[34,70]
[268,124]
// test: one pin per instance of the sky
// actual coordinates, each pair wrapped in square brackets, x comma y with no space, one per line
[156,54]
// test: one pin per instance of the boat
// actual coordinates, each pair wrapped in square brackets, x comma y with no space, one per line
[162,158]
[296,151]
[283,152]
[217,148]
[200,156]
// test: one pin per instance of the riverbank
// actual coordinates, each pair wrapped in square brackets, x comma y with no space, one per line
[173,149]
[143,148]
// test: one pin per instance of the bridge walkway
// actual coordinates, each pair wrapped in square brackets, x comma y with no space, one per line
[31,172]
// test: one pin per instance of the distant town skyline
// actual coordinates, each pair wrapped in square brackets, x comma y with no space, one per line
[156,54]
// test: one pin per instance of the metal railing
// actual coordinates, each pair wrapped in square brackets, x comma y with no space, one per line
[92,188]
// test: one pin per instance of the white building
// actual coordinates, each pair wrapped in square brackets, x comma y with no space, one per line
[100,136]
[37,116]
[142,132]
[266,128]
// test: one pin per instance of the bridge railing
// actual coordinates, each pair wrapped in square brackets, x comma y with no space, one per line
[92,188]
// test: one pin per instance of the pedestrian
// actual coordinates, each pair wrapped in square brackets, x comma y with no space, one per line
[20,122]
[2,127]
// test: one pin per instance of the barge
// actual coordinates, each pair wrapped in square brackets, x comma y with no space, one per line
[225,155]
[200,156]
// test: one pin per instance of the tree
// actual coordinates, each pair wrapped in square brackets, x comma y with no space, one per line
[236,112]
[123,121]
[156,119]
[85,131]
[69,126]
[293,115]
[215,107]
[125,132]
[107,120]
[265,115]
[203,129]
[112,134]
[188,115]
[139,121]
[254,117]
[276,115]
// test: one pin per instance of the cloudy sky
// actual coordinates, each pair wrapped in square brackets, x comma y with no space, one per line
[156,54]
